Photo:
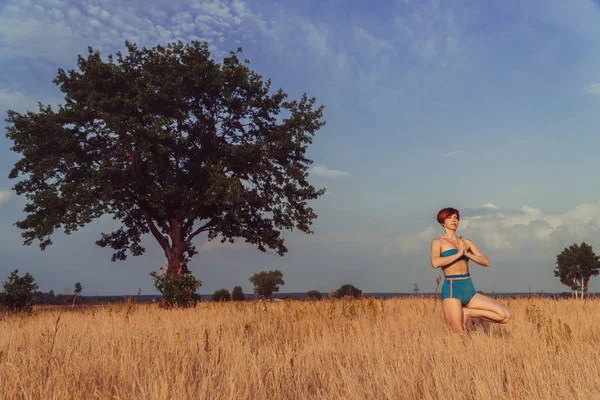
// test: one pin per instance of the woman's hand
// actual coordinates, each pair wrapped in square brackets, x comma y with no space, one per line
[461,246]
[465,246]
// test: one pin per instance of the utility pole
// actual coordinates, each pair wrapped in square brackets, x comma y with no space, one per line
[416,289]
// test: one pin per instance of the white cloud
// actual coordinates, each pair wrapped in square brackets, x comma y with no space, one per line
[532,227]
[16,100]
[323,171]
[430,30]
[452,153]
[528,230]
[411,244]
[57,34]
[371,44]
[5,197]
[594,88]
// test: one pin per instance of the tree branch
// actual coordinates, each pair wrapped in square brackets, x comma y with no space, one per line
[198,231]
[163,242]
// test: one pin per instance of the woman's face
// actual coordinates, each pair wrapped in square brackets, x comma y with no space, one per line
[451,222]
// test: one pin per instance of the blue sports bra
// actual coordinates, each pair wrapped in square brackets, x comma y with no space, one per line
[451,252]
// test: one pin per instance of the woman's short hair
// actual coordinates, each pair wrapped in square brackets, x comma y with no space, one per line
[445,213]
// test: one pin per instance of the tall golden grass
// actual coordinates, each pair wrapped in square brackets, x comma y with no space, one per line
[342,349]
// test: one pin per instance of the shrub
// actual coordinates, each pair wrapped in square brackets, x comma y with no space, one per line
[178,291]
[18,293]
[238,294]
[314,295]
[221,295]
[348,290]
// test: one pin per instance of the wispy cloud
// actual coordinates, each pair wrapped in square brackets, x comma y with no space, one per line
[404,245]
[452,153]
[324,172]
[594,89]
[430,30]
[15,100]
[5,197]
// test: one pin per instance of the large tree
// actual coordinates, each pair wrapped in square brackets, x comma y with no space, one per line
[168,142]
[576,264]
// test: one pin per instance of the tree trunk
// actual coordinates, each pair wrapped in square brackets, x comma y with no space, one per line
[582,288]
[176,252]
[575,285]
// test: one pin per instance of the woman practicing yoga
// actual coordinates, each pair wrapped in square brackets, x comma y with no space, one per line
[460,301]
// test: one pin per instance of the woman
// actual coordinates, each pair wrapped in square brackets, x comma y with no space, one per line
[460,301]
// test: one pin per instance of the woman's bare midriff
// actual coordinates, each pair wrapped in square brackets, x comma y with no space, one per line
[459,267]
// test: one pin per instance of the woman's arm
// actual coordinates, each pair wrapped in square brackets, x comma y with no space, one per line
[473,253]
[437,261]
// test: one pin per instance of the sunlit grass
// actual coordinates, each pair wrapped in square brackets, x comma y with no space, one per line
[366,349]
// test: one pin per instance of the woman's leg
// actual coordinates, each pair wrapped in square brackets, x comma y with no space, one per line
[488,309]
[453,314]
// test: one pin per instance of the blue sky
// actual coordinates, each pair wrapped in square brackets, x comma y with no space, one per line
[490,108]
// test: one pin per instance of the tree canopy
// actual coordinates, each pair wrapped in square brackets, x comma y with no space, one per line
[237,294]
[267,282]
[169,142]
[18,292]
[576,265]
[348,290]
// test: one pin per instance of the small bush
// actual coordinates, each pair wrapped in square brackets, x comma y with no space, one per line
[238,294]
[18,293]
[178,291]
[314,295]
[221,295]
[348,290]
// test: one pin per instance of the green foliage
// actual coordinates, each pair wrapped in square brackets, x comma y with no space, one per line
[18,293]
[221,295]
[238,294]
[169,142]
[348,290]
[76,291]
[314,295]
[44,298]
[267,282]
[576,265]
[178,291]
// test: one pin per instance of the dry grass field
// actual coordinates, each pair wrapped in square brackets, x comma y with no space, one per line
[364,349]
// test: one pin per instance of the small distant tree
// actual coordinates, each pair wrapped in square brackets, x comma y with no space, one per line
[348,290]
[18,293]
[238,294]
[575,267]
[267,282]
[221,295]
[314,295]
[76,291]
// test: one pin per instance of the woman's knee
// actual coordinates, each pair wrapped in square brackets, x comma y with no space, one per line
[506,315]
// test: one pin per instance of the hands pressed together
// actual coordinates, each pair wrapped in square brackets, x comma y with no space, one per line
[463,247]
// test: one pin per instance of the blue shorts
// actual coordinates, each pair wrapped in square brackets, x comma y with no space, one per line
[458,287]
